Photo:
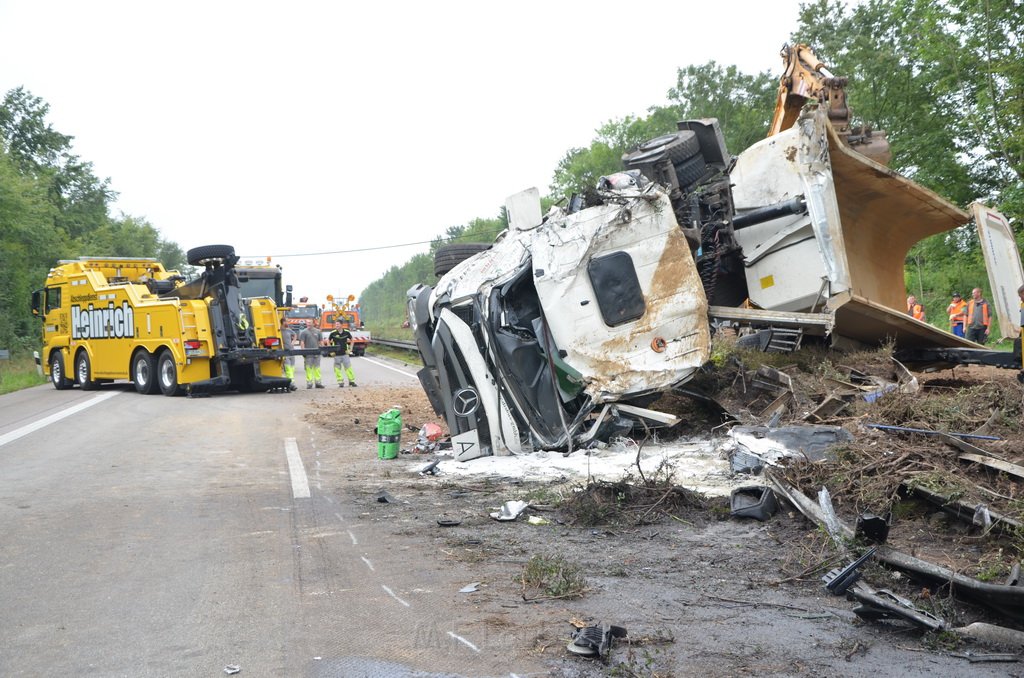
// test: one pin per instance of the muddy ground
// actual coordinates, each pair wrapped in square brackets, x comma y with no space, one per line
[701,593]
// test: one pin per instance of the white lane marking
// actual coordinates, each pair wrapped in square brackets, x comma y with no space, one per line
[340,517]
[389,367]
[354,541]
[329,500]
[392,594]
[464,642]
[368,564]
[300,484]
[53,418]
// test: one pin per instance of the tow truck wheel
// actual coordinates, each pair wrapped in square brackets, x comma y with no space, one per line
[83,372]
[60,382]
[200,255]
[167,374]
[144,373]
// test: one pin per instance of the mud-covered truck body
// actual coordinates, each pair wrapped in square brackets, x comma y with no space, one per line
[129,318]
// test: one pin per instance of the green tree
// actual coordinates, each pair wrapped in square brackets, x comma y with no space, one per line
[80,197]
[52,206]
[945,81]
[742,103]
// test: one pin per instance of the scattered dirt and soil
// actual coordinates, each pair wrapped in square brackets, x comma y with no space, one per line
[701,593]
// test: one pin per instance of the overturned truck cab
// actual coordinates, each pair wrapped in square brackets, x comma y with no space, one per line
[561,331]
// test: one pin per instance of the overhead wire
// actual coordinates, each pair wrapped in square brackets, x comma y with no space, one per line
[442,241]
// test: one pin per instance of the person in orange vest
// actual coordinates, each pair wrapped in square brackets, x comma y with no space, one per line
[957,311]
[978,317]
[915,309]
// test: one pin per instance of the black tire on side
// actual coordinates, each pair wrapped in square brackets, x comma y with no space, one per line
[83,372]
[144,373]
[57,374]
[448,257]
[676,147]
[167,374]
[691,171]
[200,255]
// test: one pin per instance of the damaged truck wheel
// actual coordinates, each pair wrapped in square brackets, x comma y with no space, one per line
[676,147]
[197,256]
[448,257]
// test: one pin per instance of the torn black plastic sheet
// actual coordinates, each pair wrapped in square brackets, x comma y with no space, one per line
[1007,600]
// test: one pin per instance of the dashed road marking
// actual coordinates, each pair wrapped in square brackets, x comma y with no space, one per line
[392,594]
[464,642]
[368,563]
[53,418]
[355,542]
[300,483]
[340,517]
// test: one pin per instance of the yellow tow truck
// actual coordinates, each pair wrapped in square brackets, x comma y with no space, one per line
[107,318]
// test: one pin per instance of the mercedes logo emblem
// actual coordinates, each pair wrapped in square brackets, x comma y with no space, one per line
[465,402]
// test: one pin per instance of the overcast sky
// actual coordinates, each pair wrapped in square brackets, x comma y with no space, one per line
[305,127]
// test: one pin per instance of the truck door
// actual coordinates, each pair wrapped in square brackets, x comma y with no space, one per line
[1002,259]
[56,320]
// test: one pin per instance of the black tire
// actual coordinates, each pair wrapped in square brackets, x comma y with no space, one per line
[167,374]
[200,255]
[675,147]
[448,257]
[691,171]
[57,374]
[144,373]
[83,372]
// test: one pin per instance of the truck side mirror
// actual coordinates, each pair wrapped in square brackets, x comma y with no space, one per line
[37,303]
[288,295]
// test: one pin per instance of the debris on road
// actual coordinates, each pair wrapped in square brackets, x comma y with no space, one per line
[595,641]
[510,510]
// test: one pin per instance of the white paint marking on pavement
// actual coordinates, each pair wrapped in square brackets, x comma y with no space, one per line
[354,541]
[53,418]
[464,642]
[329,500]
[392,594]
[368,564]
[389,367]
[300,484]
[340,517]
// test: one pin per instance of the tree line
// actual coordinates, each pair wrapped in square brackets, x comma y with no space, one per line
[943,78]
[53,207]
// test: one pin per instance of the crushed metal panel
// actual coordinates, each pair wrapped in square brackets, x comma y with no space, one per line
[1002,259]
[871,323]
[665,345]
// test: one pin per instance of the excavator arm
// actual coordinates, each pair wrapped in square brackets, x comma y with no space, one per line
[806,77]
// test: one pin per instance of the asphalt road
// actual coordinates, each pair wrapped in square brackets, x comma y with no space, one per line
[155,536]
